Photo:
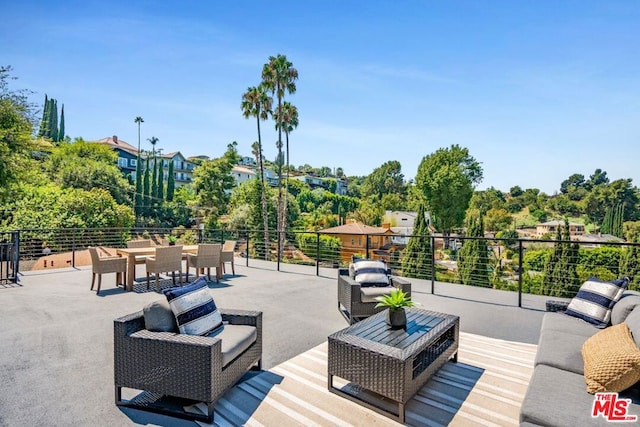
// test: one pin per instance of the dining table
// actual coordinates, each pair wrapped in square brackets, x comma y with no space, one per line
[132,253]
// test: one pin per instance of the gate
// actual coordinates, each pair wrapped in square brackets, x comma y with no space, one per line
[9,256]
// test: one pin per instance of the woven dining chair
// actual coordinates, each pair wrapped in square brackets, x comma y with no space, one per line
[228,253]
[167,259]
[207,256]
[108,264]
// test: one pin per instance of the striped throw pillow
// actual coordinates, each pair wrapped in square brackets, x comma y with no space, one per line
[595,300]
[370,273]
[193,306]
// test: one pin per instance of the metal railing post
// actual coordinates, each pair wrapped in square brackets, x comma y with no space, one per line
[278,248]
[366,246]
[520,252]
[16,255]
[73,248]
[317,253]
[433,263]
[247,250]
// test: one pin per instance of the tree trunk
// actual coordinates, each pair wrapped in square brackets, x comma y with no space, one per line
[263,196]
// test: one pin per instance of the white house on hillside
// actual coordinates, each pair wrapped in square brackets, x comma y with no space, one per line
[402,223]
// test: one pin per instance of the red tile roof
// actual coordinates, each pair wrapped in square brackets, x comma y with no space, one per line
[356,228]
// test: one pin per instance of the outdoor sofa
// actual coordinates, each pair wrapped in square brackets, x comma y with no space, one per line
[557,393]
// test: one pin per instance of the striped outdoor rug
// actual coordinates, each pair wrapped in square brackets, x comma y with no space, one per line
[485,388]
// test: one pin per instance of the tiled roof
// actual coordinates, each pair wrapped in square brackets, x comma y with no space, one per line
[356,228]
[118,143]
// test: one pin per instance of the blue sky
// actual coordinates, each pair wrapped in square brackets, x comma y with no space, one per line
[537,90]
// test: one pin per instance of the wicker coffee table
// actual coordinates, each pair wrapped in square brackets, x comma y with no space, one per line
[393,364]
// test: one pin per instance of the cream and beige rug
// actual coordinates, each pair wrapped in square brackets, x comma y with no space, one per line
[485,388]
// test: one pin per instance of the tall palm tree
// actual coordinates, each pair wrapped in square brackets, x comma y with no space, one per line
[289,122]
[138,196]
[256,103]
[279,76]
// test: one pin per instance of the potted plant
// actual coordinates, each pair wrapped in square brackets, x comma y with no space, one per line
[396,301]
[172,240]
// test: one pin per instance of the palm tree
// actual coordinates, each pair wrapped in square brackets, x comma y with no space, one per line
[279,76]
[256,103]
[289,121]
[138,196]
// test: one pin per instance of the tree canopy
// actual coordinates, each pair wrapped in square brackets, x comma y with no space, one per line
[447,179]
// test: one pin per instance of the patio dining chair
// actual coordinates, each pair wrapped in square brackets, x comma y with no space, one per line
[167,259]
[145,243]
[228,253]
[106,264]
[207,256]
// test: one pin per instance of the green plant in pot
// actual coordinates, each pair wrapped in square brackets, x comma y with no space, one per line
[396,301]
[172,240]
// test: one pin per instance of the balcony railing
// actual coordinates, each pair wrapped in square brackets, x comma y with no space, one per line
[521,266]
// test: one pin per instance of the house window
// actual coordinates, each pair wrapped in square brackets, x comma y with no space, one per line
[353,241]
[132,162]
[122,162]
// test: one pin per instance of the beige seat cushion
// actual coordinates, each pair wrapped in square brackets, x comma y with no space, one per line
[611,360]
[235,340]
[371,293]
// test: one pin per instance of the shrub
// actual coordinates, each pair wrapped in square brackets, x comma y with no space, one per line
[307,242]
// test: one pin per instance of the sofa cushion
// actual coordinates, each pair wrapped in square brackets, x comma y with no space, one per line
[557,398]
[370,294]
[595,300]
[561,350]
[158,317]
[193,307]
[611,360]
[370,273]
[560,322]
[633,322]
[234,340]
[624,306]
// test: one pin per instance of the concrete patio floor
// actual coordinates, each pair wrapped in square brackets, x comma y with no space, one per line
[56,363]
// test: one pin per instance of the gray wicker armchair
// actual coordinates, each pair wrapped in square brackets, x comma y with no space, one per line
[353,305]
[179,365]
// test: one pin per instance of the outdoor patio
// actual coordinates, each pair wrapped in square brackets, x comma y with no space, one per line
[57,358]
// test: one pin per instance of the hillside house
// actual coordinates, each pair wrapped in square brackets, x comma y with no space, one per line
[354,235]
[551,227]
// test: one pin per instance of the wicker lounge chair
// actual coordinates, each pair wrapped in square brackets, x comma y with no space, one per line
[108,264]
[208,256]
[140,259]
[354,304]
[184,366]
[167,259]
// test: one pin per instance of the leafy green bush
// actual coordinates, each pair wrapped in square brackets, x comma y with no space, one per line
[535,259]
[307,242]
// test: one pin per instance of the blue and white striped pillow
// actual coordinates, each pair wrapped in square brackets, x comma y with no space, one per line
[595,300]
[193,306]
[370,273]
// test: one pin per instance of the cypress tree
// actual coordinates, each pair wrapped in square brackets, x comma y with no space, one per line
[61,130]
[605,228]
[160,181]
[416,258]
[548,279]
[618,231]
[473,258]
[45,117]
[171,182]
[53,120]
[138,196]
[154,183]
[145,189]
[564,276]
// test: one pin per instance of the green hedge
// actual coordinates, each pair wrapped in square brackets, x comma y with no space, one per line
[307,243]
